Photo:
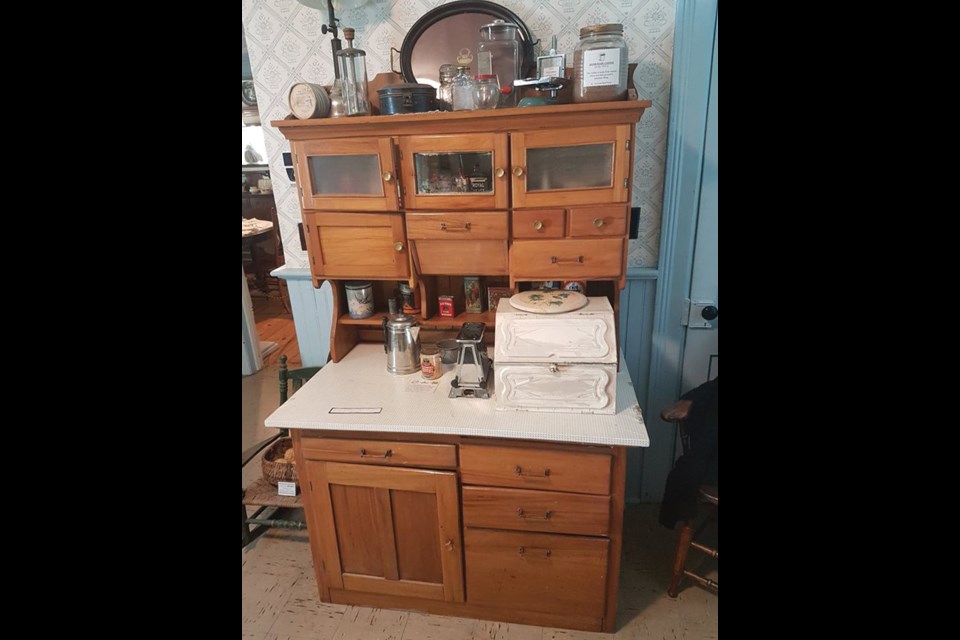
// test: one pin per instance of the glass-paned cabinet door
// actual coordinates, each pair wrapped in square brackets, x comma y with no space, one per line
[583,166]
[347,175]
[466,171]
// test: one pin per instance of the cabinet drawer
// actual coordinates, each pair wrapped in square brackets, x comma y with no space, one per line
[566,259]
[525,223]
[443,257]
[482,225]
[566,388]
[536,572]
[530,510]
[571,471]
[399,454]
[598,221]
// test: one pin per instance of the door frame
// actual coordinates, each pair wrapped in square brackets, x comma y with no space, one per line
[695,29]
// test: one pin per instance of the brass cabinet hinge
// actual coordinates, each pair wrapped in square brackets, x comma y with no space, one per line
[628,144]
[626,182]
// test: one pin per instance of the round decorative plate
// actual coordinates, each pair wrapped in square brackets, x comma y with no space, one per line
[539,301]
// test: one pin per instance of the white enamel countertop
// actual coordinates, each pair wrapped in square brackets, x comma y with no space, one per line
[332,398]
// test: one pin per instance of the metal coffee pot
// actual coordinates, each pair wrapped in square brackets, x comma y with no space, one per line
[401,341]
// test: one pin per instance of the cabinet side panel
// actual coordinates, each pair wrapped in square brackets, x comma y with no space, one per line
[355,513]
[418,543]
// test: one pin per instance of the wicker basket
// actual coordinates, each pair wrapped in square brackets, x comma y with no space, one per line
[275,469]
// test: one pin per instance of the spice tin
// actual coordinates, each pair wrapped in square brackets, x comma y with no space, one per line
[359,298]
[446,306]
[430,366]
[411,299]
[407,97]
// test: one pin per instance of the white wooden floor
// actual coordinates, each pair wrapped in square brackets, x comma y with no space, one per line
[280,599]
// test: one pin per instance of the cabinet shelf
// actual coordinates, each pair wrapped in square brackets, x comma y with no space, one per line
[436,322]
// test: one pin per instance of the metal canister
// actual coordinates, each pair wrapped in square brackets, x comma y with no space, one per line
[406,98]
[308,101]
[430,362]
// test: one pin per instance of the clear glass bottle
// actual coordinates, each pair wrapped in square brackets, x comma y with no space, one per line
[337,108]
[353,73]
[445,91]
[600,64]
[486,91]
[463,90]
[499,54]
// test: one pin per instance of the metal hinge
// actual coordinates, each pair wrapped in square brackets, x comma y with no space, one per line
[626,183]
[311,484]
[301,193]
[313,260]
[628,144]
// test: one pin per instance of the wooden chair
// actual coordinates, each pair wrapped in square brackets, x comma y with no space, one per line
[707,494]
[261,493]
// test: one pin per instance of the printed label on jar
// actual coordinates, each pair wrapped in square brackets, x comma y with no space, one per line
[601,67]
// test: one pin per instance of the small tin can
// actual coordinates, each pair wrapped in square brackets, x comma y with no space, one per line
[446,306]
[430,366]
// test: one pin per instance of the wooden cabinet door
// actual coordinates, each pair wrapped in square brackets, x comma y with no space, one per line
[455,172]
[570,167]
[347,175]
[356,245]
[389,530]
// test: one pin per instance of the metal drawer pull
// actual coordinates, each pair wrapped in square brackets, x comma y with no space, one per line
[525,516]
[598,222]
[537,225]
[520,472]
[385,454]
[546,552]
[449,545]
[500,172]
[553,368]
[556,260]
[387,176]
[398,246]
[463,227]
[518,171]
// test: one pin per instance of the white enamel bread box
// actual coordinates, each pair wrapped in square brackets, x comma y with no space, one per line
[563,363]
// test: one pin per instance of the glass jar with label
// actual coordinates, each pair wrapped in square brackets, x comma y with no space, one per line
[600,64]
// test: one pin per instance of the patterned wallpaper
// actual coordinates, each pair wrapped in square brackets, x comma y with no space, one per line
[286,46]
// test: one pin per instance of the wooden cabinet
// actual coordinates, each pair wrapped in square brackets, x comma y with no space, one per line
[580,165]
[457,242]
[526,532]
[385,530]
[463,171]
[471,186]
[350,245]
[347,175]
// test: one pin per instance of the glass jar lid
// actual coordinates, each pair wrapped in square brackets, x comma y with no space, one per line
[499,28]
[602,29]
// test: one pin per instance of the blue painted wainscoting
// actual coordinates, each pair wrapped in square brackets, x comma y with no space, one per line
[636,338]
[312,314]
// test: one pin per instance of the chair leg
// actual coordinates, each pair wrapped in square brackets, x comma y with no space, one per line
[246,527]
[680,557]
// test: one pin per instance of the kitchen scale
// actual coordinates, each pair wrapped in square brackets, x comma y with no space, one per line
[473,363]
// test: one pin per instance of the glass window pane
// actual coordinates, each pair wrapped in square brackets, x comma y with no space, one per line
[454,172]
[580,167]
[357,175]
